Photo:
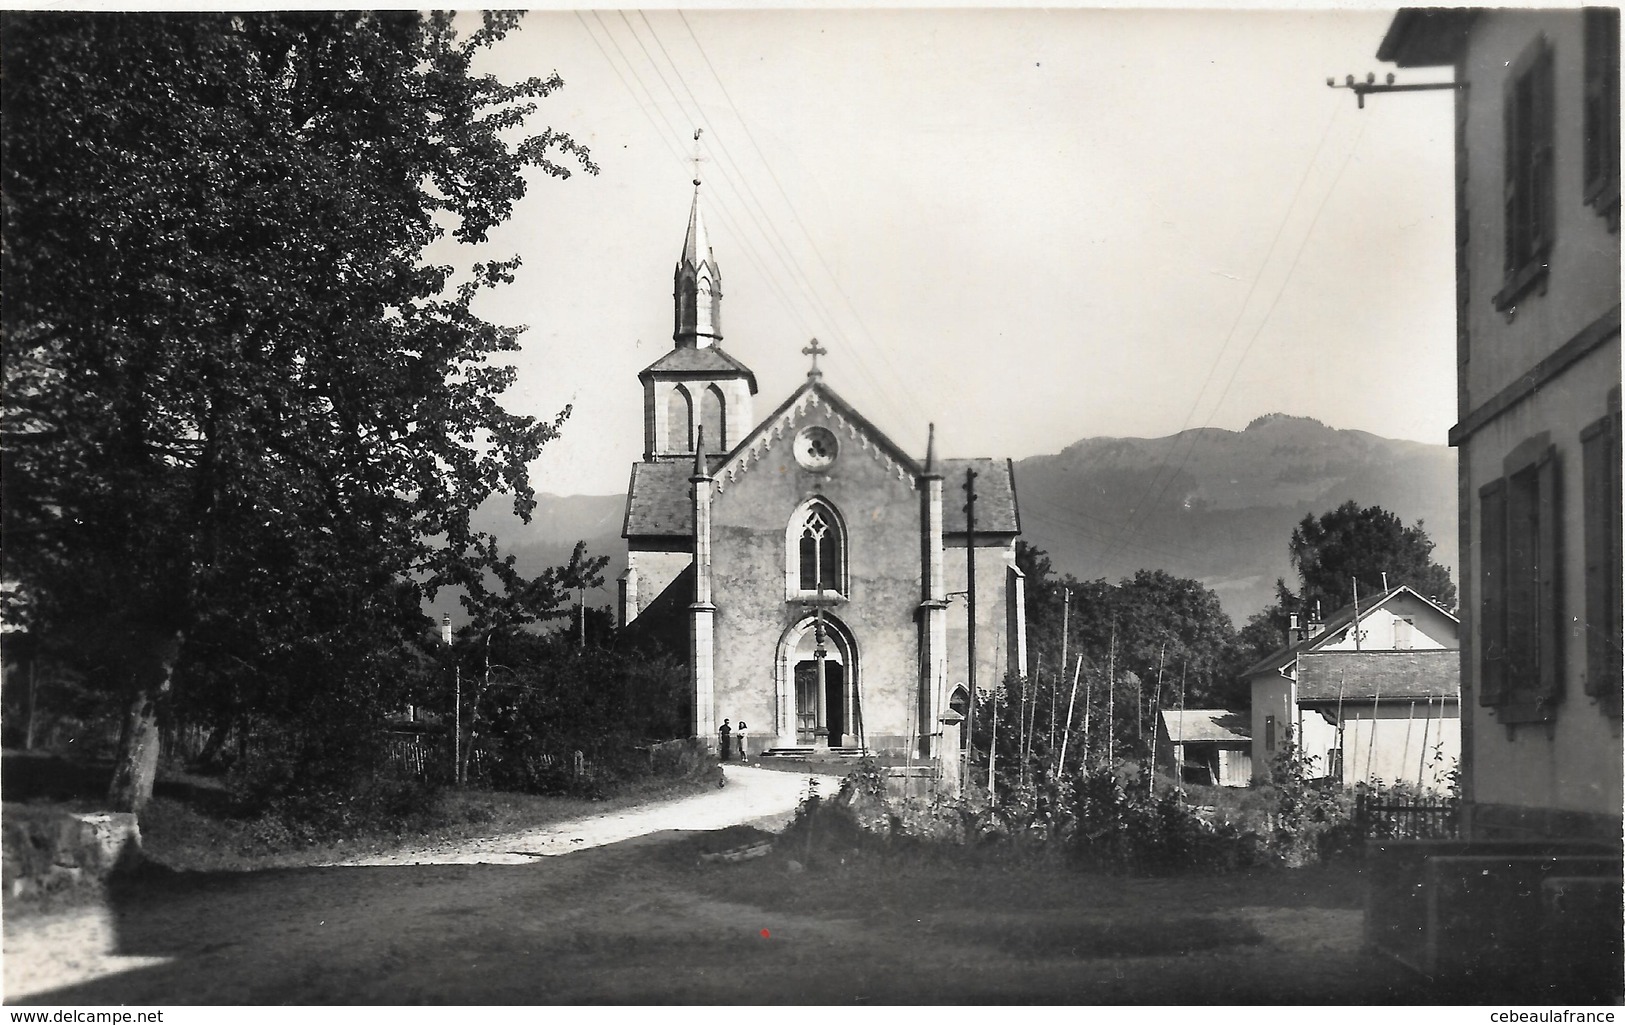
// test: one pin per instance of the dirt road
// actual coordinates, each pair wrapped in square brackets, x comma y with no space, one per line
[629,917]
[756,797]
[92,945]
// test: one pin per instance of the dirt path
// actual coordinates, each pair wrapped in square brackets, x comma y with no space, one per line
[83,945]
[757,797]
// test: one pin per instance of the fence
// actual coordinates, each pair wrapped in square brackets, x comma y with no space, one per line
[1399,815]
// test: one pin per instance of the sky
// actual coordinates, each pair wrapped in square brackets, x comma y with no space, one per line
[1027,226]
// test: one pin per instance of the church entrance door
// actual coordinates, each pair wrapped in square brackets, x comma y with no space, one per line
[810,728]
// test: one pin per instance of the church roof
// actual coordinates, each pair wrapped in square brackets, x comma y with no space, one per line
[658,503]
[710,361]
[996,508]
[657,499]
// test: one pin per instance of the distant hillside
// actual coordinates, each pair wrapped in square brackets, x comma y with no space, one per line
[1219,505]
[1211,504]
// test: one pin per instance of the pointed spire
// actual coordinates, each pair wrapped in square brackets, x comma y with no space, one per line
[701,469]
[696,244]
[697,287]
[931,448]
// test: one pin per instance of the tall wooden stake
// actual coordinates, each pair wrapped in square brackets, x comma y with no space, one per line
[1156,704]
[1111,711]
[1066,734]
[970,623]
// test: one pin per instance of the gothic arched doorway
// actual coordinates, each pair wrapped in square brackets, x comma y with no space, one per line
[810,715]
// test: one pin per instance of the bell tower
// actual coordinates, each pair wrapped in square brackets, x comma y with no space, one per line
[696,384]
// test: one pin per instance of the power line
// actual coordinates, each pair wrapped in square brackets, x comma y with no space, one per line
[768,166]
[1241,312]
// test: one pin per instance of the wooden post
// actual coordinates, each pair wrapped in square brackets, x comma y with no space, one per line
[1156,702]
[970,623]
[1066,734]
[1111,711]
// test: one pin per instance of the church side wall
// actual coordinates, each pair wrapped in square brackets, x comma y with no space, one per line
[993,647]
[881,514]
[650,573]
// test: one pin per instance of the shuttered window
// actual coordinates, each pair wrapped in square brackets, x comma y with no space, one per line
[1600,467]
[1492,629]
[1602,111]
[1528,183]
[1521,627]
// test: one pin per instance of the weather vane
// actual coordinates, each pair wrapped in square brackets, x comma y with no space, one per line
[697,157]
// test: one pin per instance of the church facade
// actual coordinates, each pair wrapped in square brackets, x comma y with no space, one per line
[819,573]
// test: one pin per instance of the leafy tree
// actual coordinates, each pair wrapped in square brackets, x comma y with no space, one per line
[1124,630]
[1349,543]
[242,413]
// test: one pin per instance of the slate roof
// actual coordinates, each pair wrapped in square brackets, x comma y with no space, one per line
[996,508]
[710,361]
[1195,725]
[1343,617]
[658,503]
[1367,675]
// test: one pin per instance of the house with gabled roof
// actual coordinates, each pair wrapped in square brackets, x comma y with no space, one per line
[820,575]
[1371,694]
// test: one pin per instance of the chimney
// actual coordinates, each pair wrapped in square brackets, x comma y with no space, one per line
[1317,626]
[1294,631]
[445,628]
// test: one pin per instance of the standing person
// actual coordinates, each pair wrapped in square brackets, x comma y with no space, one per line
[739,731]
[723,733]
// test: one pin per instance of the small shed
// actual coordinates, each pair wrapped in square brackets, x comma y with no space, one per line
[1212,746]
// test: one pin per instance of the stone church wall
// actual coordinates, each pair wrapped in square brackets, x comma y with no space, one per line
[993,648]
[881,515]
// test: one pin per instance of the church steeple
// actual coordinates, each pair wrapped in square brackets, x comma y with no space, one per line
[697,290]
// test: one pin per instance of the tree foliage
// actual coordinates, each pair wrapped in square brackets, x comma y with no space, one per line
[1155,637]
[245,418]
[1349,544]
[1333,551]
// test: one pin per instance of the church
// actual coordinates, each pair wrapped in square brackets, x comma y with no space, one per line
[820,574]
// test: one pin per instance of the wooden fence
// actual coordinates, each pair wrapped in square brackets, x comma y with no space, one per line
[1390,815]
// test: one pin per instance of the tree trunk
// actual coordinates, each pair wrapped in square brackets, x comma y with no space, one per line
[135,767]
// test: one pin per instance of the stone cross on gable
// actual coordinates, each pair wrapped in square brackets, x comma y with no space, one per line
[815,350]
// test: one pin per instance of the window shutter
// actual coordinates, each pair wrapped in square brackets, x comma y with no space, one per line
[1549,582]
[1542,184]
[1512,173]
[1492,624]
[1599,446]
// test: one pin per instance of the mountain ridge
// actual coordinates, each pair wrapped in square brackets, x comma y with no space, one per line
[1208,503]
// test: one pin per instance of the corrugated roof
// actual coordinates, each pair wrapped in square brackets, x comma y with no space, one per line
[709,361]
[1194,725]
[1334,623]
[1368,675]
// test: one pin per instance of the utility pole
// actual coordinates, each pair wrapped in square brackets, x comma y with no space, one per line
[970,622]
